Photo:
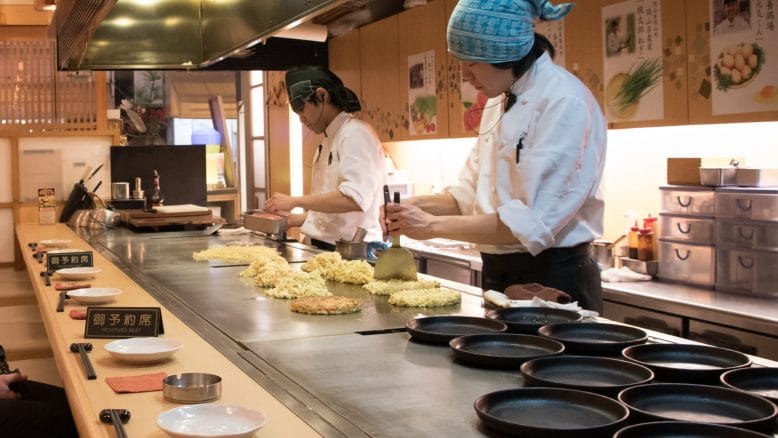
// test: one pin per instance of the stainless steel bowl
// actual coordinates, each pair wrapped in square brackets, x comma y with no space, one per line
[351,250]
[192,388]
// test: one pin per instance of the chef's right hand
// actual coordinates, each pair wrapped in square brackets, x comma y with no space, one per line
[6,380]
[280,202]
[408,220]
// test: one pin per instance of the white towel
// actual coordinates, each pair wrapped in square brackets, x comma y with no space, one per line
[499,299]
[614,275]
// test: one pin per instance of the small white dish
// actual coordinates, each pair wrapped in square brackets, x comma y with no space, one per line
[63,250]
[143,350]
[55,243]
[83,273]
[94,295]
[211,420]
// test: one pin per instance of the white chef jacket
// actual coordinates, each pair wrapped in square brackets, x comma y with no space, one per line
[550,197]
[738,24]
[350,160]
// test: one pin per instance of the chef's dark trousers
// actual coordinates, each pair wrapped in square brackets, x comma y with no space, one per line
[43,411]
[571,270]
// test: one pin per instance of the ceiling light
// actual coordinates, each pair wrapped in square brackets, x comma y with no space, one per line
[45,5]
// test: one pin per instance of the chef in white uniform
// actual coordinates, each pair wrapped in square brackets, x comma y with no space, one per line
[528,195]
[348,167]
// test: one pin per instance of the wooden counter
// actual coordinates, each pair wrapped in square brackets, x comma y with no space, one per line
[88,397]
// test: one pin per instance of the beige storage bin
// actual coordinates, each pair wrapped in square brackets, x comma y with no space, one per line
[688,200]
[747,270]
[695,229]
[746,203]
[687,263]
[747,234]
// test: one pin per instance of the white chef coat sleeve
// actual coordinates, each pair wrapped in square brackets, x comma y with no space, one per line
[557,174]
[361,167]
[464,191]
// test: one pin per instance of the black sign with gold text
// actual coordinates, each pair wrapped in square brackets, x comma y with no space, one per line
[123,322]
[75,259]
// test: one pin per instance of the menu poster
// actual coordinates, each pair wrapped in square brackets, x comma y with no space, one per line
[555,32]
[47,206]
[743,50]
[422,102]
[633,61]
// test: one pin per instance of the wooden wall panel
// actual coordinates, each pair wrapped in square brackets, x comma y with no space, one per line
[421,29]
[378,60]
[343,54]
[583,45]
[699,71]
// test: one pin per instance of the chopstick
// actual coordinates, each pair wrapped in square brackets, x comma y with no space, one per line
[117,424]
[117,417]
[82,348]
[61,302]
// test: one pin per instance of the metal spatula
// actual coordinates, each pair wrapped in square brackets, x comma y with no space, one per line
[395,262]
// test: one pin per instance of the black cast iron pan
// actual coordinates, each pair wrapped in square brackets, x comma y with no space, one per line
[701,403]
[529,319]
[594,338]
[502,350]
[550,412]
[759,381]
[682,429]
[442,329]
[686,363]
[602,375]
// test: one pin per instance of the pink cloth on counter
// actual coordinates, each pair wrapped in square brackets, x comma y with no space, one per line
[142,383]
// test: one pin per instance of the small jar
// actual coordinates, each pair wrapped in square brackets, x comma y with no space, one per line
[632,241]
[645,244]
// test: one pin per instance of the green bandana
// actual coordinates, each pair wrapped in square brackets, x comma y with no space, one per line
[301,84]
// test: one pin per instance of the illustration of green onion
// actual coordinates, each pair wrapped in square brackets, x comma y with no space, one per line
[639,81]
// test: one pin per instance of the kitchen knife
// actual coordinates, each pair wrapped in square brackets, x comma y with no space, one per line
[94,173]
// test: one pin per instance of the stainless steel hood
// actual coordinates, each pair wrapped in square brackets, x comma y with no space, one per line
[171,34]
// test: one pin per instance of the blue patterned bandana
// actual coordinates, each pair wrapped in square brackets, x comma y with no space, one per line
[494,31]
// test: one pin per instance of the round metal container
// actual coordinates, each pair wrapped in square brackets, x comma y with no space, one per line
[351,250]
[192,388]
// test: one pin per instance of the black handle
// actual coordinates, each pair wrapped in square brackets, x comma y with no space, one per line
[82,349]
[396,197]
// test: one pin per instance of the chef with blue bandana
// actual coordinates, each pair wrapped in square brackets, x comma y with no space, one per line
[528,195]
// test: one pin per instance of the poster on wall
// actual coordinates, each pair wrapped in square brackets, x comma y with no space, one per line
[422,102]
[744,44]
[633,61]
[555,32]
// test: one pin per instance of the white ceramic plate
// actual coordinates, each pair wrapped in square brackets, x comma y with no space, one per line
[84,273]
[94,295]
[143,350]
[63,250]
[211,420]
[55,243]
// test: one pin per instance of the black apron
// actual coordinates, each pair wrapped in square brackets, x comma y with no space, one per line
[571,270]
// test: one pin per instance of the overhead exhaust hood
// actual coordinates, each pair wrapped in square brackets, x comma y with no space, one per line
[181,34]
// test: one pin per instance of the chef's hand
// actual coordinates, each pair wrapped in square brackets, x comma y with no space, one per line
[280,202]
[408,220]
[6,380]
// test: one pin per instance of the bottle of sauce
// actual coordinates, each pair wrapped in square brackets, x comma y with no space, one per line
[632,241]
[645,244]
[653,224]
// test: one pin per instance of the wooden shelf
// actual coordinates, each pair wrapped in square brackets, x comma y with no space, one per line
[229,201]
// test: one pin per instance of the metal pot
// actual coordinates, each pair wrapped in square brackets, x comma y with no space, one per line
[351,250]
[602,254]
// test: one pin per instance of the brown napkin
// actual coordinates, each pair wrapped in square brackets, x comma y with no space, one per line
[531,290]
[142,383]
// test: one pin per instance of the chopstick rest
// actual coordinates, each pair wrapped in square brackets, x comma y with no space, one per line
[117,417]
[82,348]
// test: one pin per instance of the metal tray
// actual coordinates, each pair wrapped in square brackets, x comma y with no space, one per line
[602,375]
[758,381]
[683,429]
[264,222]
[713,404]
[686,363]
[594,338]
[442,329]
[529,319]
[550,412]
[502,350]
